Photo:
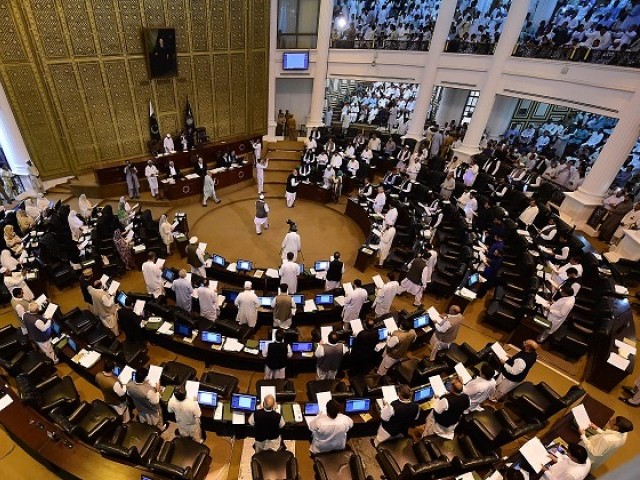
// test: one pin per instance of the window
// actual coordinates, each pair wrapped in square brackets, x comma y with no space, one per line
[298,23]
[470,106]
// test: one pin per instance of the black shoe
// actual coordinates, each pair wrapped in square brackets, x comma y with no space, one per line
[626,400]
[629,390]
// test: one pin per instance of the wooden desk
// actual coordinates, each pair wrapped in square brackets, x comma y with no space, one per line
[360,215]
[364,259]
[629,246]
[306,281]
[188,187]
[311,191]
[527,329]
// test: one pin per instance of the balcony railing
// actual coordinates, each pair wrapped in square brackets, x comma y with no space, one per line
[579,54]
[412,45]
[475,48]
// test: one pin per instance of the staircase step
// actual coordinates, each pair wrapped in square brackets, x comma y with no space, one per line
[276,176]
[284,155]
[283,164]
[285,145]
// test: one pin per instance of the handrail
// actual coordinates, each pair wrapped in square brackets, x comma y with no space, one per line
[384,44]
[579,54]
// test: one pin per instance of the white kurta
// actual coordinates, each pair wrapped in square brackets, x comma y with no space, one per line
[247,303]
[385,296]
[291,243]
[165,230]
[208,299]
[559,312]
[385,244]
[151,172]
[153,278]
[353,304]
[183,290]
[260,168]
[379,202]
[289,275]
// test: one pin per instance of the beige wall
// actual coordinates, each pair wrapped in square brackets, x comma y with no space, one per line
[76,77]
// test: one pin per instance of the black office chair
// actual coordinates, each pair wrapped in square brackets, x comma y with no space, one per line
[270,465]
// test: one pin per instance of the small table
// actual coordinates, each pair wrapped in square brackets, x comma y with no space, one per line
[364,259]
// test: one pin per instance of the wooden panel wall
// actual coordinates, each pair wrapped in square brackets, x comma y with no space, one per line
[76,76]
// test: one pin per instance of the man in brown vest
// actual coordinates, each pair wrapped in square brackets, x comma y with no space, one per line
[284,308]
[397,347]
[446,331]
[329,357]
[112,390]
[195,258]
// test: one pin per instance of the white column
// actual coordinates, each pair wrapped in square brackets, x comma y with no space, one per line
[273,69]
[451,105]
[578,205]
[508,39]
[436,47]
[11,139]
[320,68]
[501,115]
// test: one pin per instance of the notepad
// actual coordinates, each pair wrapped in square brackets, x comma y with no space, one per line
[155,372]
[258,274]
[462,373]
[324,333]
[391,325]
[310,306]
[191,387]
[535,454]
[499,351]
[434,315]
[113,288]
[5,401]
[51,309]
[272,273]
[348,288]
[238,418]
[323,398]
[377,280]
[581,416]
[437,384]
[232,345]
[618,361]
[389,393]
[138,307]
[125,375]
[356,326]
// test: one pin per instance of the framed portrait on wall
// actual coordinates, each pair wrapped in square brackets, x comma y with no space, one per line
[160,45]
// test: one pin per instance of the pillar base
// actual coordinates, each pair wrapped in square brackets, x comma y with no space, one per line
[576,209]
[465,152]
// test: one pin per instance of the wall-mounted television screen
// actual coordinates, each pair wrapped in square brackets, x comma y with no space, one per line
[160,45]
[295,61]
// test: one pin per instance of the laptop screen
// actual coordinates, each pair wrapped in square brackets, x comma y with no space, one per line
[244,265]
[301,347]
[57,328]
[72,343]
[357,405]
[351,340]
[421,321]
[423,395]
[265,301]
[324,299]
[218,260]
[382,334]
[473,279]
[311,409]
[121,298]
[263,344]
[211,337]
[246,403]
[298,299]
[168,274]
[321,266]
[207,399]
[182,329]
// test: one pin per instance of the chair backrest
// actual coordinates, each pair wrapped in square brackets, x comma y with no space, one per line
[270,464]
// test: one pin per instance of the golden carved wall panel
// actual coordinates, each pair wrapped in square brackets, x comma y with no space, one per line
[75,73]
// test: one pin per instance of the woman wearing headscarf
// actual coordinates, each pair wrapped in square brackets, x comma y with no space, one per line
[12,240]
[25,222]
[123,211]
[107,223]
[124,250]
[75,225]
[166,232]
[85,207]
[8,261]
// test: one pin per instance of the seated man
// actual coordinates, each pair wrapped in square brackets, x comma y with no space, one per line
[575,466]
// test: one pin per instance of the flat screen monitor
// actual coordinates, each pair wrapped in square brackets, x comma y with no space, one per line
[245,403]
[265,301]
[324,299]
[72,343]
[473,279]
[121,299]
[218,260]
[262,344]
[300,268]
[298,299]
[168,274]
[382,334]
[311,409]
[244,266]
[321,266]
[57,328]
[421,321]
[230,295]
[423,395]
[207,399]
[295,60]
[351,340]
[182,329]
[357,405]
[302,347]
[211,337]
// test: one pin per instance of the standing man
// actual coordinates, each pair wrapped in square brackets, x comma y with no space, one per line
[104,307]
[515,369]
[292,128]
[353,304]
[208,300]
[363,351]
[446,331]
[262,215]
[261,166]
[39,331]
[418,276]
[289,271]
[385,295]
[195,258]
[152,274]
[481,388]
[129,321]
[200,167]
[187,412]
[146,398]
[447,412]
[248,304]
[291,243]
[329,357]
[183,289]
[558,311]
[151,172]
[276,355]
[131,176]
[329,430]
[292,188]
[334,273]
[605,443]
[34,177]
[209,189]
[397,346]
[112,390]
[386,240]
[168,145]
[20,306]
[397,416]
[284,308]
[268,423]
[379,201]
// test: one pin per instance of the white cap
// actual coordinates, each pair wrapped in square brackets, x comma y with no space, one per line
[261,197]
[193,240]
[247,285]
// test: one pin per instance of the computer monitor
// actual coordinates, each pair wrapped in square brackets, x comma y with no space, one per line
[298,299]
[300,268]
[242,402]
[324,299]
[57,328]
[168,274]
[218,260]
[382,334]
[321,266]
[302,347]
[265,301]
[117,371]
[230,295]
[311,409]
[421,321]
[211,337]
[182,329]
[351,340]
[244,266]
[72,343]
[262,344]
[207,399]
[357,405]
[423,394]
[121,299]
[473,279]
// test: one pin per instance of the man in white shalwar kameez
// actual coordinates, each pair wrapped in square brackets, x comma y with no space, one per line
[291,243]
[386,240]
[417,279]
[168,144]
[353,304]
[209,190]
[248,304]
[385,295]
[183,289]
[151,172]
[289,271]
[208,300]
[261,166]
[152,274]
[261,218]
[379,201]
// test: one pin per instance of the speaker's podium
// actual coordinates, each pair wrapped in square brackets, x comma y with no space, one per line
[365,258]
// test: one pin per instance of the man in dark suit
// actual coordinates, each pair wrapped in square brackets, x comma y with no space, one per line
[363,355]
[173,171]
[200,166]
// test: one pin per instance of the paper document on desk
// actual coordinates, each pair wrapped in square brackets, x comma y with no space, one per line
[581,416]
[391,325]
[155,372]
[5,401]
[232,267]
[324,333]
[323,398]
[138,307]
[90,359]
[542,301]
[267,390]
[191,176]
[468,294]
[309,306]
[625,349]
[41,299]
[439,390]
[160,262]
[534,452]
[348,288]
[499,351]
[356,326]
[434,315]
[233,345]
[462,372]
[389,393]
[238,418]
[166,329]
[192,388]
[272,273]
[113,288]
[51,309]
[339,300]
[620,290]
[618,361]
[258,274]
[125,375]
